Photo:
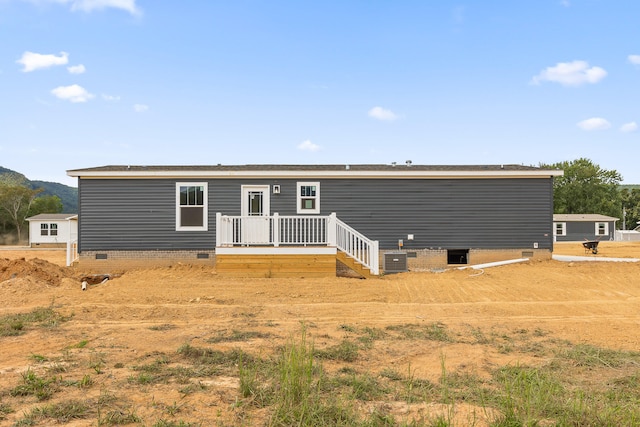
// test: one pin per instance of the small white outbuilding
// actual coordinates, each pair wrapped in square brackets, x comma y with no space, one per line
[52,230]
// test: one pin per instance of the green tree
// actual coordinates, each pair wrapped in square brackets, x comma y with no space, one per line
[15,203]
[586,188]
[45,204]
[631,203]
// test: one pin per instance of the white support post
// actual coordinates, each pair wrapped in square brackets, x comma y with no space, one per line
[218,229]
[375,257]
[276,230]
[332,226]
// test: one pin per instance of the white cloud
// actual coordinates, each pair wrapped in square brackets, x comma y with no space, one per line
[111,98]
[308,146]
[77,69]
[634,59]
[140,108]
[73,93]
[33,61]
[380,113]
[565,3]
[91,5]
[573,73]
[594,123]
[629,127]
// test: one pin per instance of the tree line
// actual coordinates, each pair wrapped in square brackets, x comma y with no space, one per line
[18,202]
[586,188]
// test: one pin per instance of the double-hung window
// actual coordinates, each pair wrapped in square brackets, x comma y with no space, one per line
[44,229]
[53,229]
[308,197]
[559,228]
[191,206]
[602,228]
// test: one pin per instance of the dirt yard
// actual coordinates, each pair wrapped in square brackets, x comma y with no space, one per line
[126,322]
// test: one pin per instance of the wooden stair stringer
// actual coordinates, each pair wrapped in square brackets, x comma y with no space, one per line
[354,265]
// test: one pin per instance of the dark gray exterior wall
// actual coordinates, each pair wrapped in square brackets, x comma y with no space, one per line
[139,214]
[579,231]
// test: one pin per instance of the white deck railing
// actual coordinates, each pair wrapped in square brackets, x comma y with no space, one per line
[280,230]
[358,246]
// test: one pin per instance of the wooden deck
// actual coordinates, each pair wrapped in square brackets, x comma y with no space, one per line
[284,262]
[275,265]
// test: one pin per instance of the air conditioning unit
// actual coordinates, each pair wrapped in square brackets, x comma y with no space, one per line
[395,262]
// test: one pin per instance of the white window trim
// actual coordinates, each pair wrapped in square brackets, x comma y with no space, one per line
[563,231]
[606,229]
[205,206]
[299,209]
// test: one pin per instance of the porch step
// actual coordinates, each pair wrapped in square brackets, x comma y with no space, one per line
[354,265]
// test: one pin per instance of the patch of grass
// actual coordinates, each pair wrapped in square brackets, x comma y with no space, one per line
[38,358]
[97,362]
[369,335]
[592,356]
[363,387]
[435,331]
[144,378]
[165,423]
[5,410]
[479,336]
[624,390]
[527,395]
[346,351]
[163,327]
[34,385]
[237,336]
[348,328]
[17,324]
[208,356]
[61,412]
[192,388]
[81,344]
[119,417]
[391,374]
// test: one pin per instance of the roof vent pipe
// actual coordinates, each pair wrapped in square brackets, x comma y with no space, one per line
[393,164]
[346,167]
[409,162]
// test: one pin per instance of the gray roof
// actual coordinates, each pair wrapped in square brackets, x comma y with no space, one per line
[583,218]
[307,168]
[52,217]
[344,171]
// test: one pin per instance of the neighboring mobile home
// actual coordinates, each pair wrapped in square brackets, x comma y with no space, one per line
[583,227]
[249,216]
[52,230]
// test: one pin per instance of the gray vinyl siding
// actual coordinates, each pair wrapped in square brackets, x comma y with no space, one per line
[440,213]
[579,231]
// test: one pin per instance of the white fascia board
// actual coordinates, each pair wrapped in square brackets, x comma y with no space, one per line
[315,174]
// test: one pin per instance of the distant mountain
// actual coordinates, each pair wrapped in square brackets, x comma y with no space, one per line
[68,195]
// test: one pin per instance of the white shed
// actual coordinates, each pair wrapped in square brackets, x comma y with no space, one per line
[52,230]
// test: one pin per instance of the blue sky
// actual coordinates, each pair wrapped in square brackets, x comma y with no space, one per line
[88,83]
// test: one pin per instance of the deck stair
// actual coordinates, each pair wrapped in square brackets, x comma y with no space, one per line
[355,266]
[262,243]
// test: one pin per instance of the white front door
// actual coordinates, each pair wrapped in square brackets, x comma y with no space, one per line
[255,211]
